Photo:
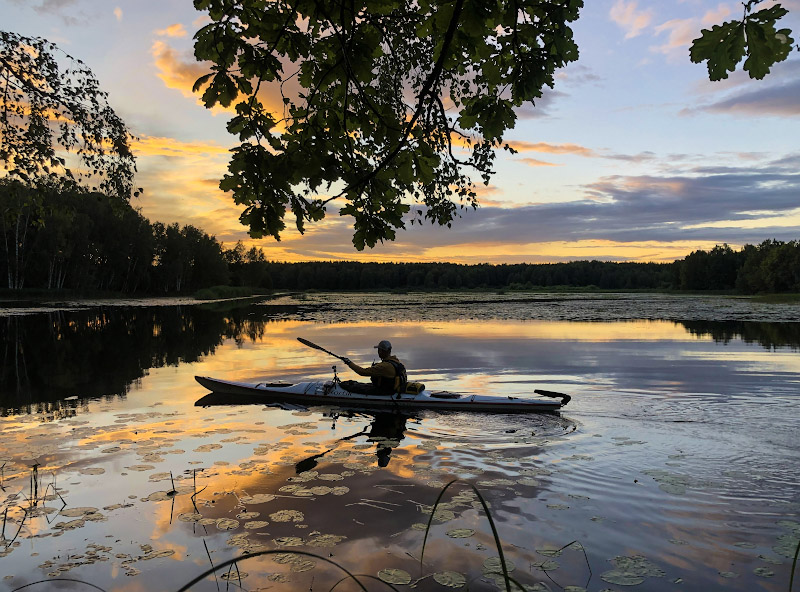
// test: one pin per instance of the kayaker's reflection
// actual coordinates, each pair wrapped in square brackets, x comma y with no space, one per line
[386,430]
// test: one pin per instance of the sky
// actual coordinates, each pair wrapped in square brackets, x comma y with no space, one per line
[633,156]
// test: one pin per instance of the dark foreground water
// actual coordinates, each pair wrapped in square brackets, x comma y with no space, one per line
[675,466]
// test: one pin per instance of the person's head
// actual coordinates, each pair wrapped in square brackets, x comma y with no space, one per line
[384,349]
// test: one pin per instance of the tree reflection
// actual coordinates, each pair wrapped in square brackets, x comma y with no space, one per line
[101,352]
[768,335]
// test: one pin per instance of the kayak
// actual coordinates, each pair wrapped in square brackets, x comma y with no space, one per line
[332,393]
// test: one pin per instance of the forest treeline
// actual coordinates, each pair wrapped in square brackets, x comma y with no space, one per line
[67,240]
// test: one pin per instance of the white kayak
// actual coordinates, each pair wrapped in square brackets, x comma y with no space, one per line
[334,394]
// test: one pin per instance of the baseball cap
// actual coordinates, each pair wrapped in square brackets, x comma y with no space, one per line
[384,345]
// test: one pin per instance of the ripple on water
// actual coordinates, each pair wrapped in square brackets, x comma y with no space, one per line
[494,429]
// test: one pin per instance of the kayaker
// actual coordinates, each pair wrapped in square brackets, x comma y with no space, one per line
[388,376]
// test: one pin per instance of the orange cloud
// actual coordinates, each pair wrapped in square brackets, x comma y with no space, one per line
[160,146]
[627,16]
[175,30]
[175,71]
[179,70]
[681,33]
[521,146]
[537,163]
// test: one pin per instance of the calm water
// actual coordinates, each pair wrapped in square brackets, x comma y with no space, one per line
[674,467]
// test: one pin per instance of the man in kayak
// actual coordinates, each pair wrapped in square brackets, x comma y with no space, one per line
[388,376]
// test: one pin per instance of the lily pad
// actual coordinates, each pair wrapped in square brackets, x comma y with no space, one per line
[325,540]
[622,578]
[493,565]
[451,579]
[248,515]
[394,576]
[259,498]
[253,524]
[227,524]
[460,533]
[287,516]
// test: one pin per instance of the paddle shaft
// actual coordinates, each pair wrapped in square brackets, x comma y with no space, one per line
[319,347]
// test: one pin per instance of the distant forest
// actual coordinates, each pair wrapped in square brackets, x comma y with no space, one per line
[54,240]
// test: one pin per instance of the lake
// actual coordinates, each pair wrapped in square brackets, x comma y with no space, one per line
[673,468]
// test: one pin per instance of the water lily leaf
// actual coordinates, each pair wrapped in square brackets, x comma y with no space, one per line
[394,576]
[493,565]
[140,468]
[234,575]
[547,565]
[622,578]
[451,579]
[259,498]
[190,517]
[92,471]
[248,515]
[208,447]
[288,541]
[77,512]
[460,533]
[729,574]
[227,524]
[252,525]
[325,540]
[287,516]
[763,572]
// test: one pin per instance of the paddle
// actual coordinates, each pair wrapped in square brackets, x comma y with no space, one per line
[320,348]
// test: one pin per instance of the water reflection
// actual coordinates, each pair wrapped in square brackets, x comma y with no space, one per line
[103,352]
[656,455]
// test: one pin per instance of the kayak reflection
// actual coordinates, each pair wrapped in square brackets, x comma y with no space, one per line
[386,430]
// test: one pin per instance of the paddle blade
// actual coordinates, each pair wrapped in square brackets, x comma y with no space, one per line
[309,343]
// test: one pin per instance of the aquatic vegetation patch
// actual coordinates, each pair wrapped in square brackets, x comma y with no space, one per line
[394,576]
[287,516]
[631,571]
[450,579]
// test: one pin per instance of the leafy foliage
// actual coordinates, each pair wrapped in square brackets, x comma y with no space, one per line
[56,123]
[755,36]
[394,102]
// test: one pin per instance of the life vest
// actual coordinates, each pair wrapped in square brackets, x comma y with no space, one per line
[390,386]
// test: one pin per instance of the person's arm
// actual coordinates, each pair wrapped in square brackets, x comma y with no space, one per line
[380,369]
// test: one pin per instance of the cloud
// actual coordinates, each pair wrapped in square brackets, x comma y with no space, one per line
[534,162]
[160,146]
[176,30]
[681,33]
[118,13]
[539,108]
[618,218]
[175,70]
[630,18]
[179,70]
[522,146]
[576,74]
[56,7]
[576,150]
[781,100]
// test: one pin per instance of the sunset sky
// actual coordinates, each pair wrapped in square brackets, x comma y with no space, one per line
[634,155]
